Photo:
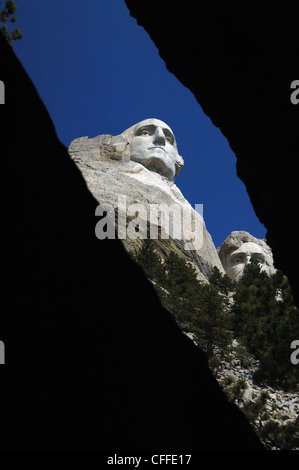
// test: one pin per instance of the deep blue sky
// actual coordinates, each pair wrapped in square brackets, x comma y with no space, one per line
[98,72]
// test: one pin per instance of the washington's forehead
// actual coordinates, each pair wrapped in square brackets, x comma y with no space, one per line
[152,122]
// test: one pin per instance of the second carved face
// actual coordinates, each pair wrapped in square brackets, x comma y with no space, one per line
[239,258]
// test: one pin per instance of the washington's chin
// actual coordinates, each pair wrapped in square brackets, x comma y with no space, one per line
[158,163]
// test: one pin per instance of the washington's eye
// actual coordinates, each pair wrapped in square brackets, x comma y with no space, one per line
[169,137]
[144,132]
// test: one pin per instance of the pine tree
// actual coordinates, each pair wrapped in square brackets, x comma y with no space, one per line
[281,436]
[198,307]
[8,13]
[253,301]
[151,262]
[210,321]
[182,285]
[266,321]
[181,276]
[222,281]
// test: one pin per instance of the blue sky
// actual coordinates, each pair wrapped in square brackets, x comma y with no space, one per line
[98,72]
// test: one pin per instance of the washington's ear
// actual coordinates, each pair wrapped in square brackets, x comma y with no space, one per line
[179,163]
[120,143]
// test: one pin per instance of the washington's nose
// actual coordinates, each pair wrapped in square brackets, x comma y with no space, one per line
[159,137]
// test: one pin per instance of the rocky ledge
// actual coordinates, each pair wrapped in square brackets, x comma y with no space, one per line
[275,405]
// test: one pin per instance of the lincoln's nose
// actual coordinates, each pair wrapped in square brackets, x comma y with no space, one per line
[159,137]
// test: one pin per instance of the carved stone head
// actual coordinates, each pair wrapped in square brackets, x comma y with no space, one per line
[152,144]
[239,249]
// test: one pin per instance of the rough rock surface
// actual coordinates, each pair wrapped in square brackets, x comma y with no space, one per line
[109,176]
[281,407]
[239,61]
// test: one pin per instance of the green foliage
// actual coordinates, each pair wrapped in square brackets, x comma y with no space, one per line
[222,282]
[210,320]
[266,321]
[214,365]
[8,14]
[256,412]
[262,317]
[198,307]
[243,355]
[234,390]
[280,436]
[273,434]
[181,276]
[150,262]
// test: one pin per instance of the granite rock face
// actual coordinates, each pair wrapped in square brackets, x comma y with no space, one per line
[127,186]
[281,407]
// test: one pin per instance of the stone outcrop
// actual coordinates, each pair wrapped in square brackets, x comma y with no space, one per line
[110,175]
[88,364]
[280,407]
[239,61]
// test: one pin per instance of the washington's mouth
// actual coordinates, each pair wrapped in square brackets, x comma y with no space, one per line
[155,148]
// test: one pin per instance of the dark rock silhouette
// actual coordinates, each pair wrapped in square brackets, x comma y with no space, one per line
[239,62]
[89,364]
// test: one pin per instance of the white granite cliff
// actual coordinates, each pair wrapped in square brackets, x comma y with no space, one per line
[110,174]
